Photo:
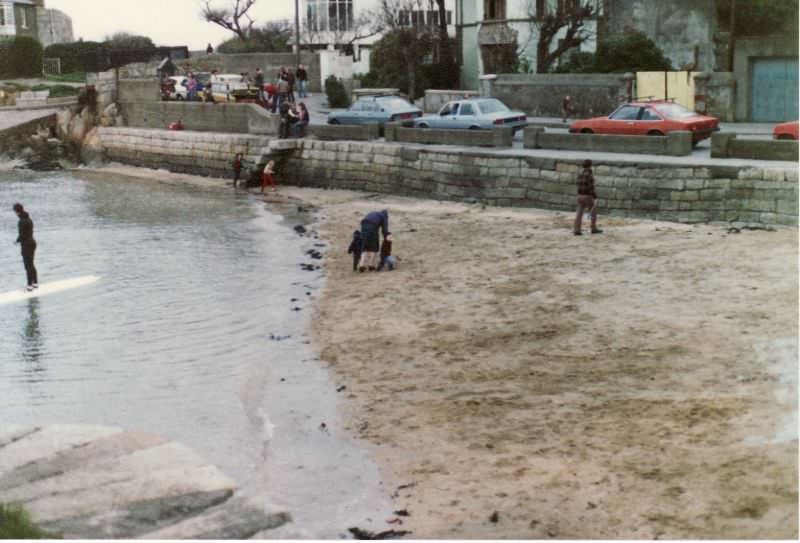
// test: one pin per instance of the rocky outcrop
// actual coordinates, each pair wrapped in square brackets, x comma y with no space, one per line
[92,482]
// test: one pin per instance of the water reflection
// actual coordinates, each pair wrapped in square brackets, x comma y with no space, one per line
[33,344]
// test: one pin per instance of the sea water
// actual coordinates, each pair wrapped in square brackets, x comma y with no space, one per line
[195,331]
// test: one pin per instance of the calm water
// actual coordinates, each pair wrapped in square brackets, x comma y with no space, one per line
[175,338]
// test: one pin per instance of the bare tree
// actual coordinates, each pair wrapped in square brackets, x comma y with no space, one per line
[234,18]
[569,15]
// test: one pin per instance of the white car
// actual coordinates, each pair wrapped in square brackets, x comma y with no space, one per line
[222,85]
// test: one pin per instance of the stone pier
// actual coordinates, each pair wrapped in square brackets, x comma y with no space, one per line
[96,482]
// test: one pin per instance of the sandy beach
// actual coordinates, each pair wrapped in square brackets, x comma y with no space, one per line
[512,380]
[515,381]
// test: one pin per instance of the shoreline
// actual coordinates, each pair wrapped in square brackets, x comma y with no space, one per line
[512,381]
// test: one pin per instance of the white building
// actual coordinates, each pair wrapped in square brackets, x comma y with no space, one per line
[349,25]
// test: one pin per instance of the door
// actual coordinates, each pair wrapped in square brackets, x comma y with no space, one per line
[773,90]
[623,121]
[466,117]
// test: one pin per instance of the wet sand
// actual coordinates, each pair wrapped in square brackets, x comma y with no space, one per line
[516,381]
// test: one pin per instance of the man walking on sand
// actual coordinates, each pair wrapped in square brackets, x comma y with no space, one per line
[587,199]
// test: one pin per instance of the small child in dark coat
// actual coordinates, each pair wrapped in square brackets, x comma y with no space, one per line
[355,248]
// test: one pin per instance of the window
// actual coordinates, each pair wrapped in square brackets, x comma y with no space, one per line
[404,17]
[625,113]
[329,15]
[650,115]
[23,20]
[467,109]
[494,9]
[418,19]
[433,18]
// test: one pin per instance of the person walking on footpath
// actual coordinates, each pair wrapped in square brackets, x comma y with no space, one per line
[587,199]
[28,244]
[567,107]
[302,81]
[291,80]
[371,224]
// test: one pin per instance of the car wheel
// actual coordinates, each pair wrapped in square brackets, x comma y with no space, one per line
[179,98]
[587,131]
[422,125]
[785,137]
[333,121]
[655,133]
[474,127]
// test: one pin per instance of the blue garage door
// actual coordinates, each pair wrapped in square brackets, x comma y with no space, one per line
[774,90]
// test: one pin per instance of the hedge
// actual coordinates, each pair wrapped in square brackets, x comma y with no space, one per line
[20,56]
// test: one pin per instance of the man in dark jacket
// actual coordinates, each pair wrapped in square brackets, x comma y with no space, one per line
[587,199]
[25,239]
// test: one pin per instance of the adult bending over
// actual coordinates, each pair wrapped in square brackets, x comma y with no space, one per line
[25,239]
[374,221]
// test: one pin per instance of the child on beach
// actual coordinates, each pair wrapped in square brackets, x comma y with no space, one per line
[386,254]
[355,248]
[266,177]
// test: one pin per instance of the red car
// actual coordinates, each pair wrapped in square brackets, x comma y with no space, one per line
[785,131]
[649,118]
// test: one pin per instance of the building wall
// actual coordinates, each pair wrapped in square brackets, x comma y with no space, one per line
[54,27]
[678,27]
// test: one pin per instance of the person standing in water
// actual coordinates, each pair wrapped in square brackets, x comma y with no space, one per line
[25,239]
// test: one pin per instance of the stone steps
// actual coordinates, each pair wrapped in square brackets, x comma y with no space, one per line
[92,482]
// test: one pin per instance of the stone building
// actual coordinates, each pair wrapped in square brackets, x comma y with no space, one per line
[31,18]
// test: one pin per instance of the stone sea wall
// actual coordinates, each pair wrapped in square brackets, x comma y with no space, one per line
[663,191]
[199,153]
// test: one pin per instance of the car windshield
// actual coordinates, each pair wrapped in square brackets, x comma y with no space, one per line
[394,103]
[674,111]
[492,106]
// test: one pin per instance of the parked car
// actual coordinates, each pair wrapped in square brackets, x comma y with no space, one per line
[474,114]
[225,87]
[376,110]
[786,131]
[649,118]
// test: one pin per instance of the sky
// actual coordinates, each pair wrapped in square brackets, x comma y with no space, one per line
[166,22]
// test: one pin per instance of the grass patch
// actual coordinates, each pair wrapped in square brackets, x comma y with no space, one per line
[76,77]
[15,523]
[57,91]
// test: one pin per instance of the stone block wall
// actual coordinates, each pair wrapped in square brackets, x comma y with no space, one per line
[206,154]
[498,137]
[664,192]
[729,146]
[17,135]
[690,194]
[199,116]
[138,90]
[540,95]
[677,143]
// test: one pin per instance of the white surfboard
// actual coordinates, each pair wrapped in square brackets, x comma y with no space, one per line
[47,288]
